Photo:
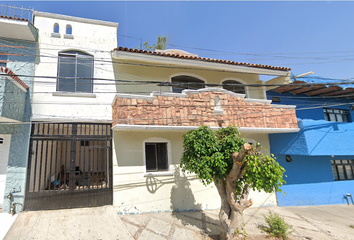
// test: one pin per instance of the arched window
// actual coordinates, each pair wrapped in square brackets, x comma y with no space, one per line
[186,82]
[69,29]
[233,86]
[56,28]
[75,72]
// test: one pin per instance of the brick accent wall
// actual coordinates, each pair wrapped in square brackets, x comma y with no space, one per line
[197,109]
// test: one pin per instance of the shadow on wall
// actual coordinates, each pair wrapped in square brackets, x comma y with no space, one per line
[182,197]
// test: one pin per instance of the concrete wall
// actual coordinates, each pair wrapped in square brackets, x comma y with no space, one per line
[90,36]
[137,192]
[21,63]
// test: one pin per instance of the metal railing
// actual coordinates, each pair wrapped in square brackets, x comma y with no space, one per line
[16,12]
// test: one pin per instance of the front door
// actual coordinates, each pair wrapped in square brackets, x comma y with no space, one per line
[5,140]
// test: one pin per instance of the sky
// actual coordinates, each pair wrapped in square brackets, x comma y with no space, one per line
[305,36]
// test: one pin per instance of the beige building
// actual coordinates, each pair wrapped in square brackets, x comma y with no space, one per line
[162,95]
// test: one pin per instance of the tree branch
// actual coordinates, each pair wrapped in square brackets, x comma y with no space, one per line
[244,202]
[237,161]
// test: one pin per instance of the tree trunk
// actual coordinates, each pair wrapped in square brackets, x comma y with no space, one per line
[232,207]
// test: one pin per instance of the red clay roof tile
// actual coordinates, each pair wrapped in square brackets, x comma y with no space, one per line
[202,59]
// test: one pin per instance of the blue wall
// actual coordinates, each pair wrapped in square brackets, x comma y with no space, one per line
[303,101]
[309,178]
[20,131]
[316,138]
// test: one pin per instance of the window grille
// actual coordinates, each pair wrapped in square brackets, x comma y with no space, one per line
[186,82]
[156,157]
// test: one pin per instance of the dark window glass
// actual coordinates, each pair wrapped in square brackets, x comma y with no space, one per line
[156,157]
[336,115]
[343,169]
[75,72]
[180,83]
[233,86]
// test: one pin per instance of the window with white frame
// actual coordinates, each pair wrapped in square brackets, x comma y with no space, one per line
[156,156]
[343,169]
[179,83]
[75,72]
[336,115]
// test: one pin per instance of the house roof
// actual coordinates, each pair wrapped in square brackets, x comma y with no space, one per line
[319,89]
[194,57]
[14,77]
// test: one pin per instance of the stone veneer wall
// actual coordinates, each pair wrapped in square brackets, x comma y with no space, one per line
[195,108]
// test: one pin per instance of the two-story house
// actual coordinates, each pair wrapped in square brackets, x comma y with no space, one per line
[162,95]
[319,158]
[70,161]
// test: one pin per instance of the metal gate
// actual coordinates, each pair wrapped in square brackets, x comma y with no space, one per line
[70,166]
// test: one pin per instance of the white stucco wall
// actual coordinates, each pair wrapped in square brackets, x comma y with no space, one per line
[93,37]
[134,192]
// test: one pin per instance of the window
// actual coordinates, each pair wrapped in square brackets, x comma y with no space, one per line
[186,82]
[75,72]
[69,29]
[232,86]
[336,115]
[56,28]
[156,158]
[343,169]
[3,59]
[276,99]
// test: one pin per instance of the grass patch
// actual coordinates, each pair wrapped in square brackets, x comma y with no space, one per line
[352,226]
[276,226]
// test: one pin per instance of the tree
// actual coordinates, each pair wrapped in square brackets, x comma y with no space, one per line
[235,167]
[160,44]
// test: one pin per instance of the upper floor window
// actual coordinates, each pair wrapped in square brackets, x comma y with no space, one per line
[75,72]
[69,29]
[3,59]
[186,82]
[56,28]
[234,86]
[336,115]
[343,169]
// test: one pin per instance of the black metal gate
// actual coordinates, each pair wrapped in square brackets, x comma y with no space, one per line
[69,166]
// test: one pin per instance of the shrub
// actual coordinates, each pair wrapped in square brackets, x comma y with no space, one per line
[276,226]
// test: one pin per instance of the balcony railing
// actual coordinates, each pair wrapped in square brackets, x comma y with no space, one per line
[16,12]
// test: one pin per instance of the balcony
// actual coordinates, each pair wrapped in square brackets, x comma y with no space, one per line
[17,23]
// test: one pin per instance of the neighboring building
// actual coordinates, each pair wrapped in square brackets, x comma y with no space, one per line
[319,159]
[148,126]
[70,160]
[18,46]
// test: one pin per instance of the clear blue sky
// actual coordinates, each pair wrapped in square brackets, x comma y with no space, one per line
[305,36]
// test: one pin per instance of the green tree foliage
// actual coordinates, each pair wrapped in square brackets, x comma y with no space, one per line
[209,154]
[160,44]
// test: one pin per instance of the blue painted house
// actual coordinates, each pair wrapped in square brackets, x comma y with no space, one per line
[319,159]
[18,49]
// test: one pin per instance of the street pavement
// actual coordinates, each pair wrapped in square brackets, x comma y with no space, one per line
[313,222]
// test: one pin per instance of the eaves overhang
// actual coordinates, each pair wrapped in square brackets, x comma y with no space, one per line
[192,63]
[18,29]
[127,127]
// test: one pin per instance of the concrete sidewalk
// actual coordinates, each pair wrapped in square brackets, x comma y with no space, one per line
[316,222]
